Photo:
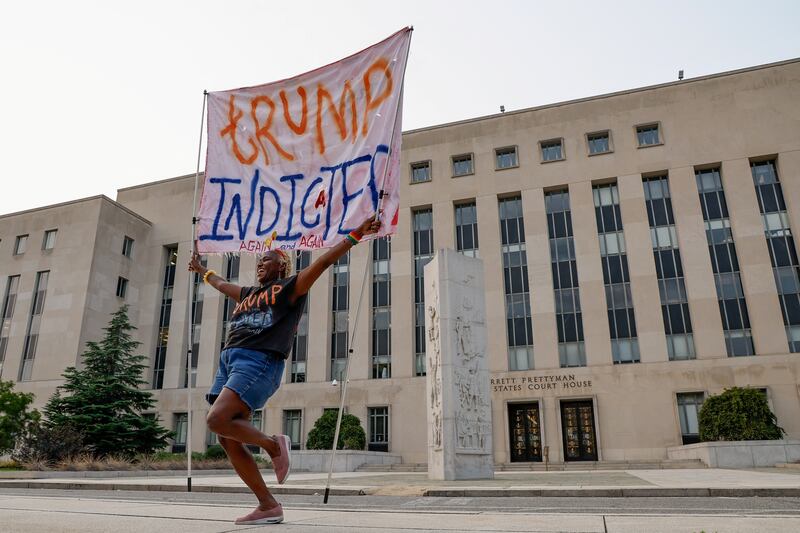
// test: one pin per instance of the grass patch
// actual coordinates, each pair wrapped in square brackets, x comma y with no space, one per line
[156,461]
[10,465]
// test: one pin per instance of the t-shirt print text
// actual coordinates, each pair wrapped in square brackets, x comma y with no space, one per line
[258,298]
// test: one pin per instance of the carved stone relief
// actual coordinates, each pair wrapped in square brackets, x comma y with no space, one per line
[434,361]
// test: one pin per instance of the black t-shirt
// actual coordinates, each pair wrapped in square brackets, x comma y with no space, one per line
[265,320]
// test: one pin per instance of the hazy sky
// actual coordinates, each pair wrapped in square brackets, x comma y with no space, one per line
[99,95]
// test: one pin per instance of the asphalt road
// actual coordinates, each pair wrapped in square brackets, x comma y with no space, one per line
[30,510]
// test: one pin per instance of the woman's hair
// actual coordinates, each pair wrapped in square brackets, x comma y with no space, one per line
[285,266]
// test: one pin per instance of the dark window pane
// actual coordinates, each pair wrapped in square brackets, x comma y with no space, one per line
[609,218]
[570,328]
[734,320]
[792,308]
[632,322]
[615,269]
[564,273]
[621,317]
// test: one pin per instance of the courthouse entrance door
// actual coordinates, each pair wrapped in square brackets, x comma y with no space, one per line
[526,432]
[577,426]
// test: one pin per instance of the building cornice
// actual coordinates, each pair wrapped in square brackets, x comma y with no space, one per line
[101,197]
[604,96]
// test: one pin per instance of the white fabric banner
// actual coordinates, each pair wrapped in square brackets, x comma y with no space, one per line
[299,163]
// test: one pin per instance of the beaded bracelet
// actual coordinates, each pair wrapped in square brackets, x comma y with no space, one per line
[207,275]
[354,238]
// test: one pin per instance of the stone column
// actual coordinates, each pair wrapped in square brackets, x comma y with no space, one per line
[459,404]
[709,341]
[644,283]
[763,305]
[540,280]
[590,275]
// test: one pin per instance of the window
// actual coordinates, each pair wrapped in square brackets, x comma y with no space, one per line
[297,369]
[256,421]
[724,263]
[616,278]
[340,309]
[211,439]
[292,426]
[422,224]
[34,323]
[160,357]
[231,267]
[648,135]
[669,269]
[569,319]
[420,171]
[519,328]
[781,245]
[49,241]
[198,288]
[381,308]
[9,303]
[180,423]
[467,229]
[689,404]
[552,150]
[122,287]
[378,429]
[127,247]
[20,244]
[599,143]
[505,157]
[462,165]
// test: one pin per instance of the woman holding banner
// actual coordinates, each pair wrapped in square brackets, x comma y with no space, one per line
[260,335]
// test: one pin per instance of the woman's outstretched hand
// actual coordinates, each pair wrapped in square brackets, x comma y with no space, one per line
[195,265]
[370,226]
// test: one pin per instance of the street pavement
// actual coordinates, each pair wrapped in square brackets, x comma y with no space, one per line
[35,510]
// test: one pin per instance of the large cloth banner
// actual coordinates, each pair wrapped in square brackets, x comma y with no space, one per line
[297,164]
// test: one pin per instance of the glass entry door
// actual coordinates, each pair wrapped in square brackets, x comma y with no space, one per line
[526,433]
[577,425]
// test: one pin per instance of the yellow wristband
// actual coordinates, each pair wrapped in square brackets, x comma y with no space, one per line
[207,274]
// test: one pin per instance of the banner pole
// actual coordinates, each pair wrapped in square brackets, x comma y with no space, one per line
[346,374]
[190,306]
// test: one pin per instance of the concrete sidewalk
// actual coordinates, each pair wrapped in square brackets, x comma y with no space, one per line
[594,483]
[68,514]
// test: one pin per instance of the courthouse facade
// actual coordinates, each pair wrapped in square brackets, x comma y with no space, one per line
[638,251]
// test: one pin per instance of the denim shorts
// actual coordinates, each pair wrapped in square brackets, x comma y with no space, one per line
[253,376]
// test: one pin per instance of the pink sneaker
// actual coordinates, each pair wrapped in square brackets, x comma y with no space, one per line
[271,516]
[282,464]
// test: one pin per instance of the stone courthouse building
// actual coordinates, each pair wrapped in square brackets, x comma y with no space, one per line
[638,251]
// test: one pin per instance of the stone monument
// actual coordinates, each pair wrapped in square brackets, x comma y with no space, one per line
[458,395]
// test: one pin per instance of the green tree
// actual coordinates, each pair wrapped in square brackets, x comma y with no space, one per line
[104,400]
[351,435]
[738,414]
[16,417]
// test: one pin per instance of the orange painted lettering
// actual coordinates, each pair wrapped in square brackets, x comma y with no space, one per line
[263,131]
[234,115]
[339,114]
[300,128]
[380,65]
[262,298]
[275,290]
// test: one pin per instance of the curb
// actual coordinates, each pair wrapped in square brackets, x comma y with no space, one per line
[651,492]
[112,474]
[152,487]
[655,492]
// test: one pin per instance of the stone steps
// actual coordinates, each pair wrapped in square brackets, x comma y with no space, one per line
[601,465]
[554,467]
[403,467]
